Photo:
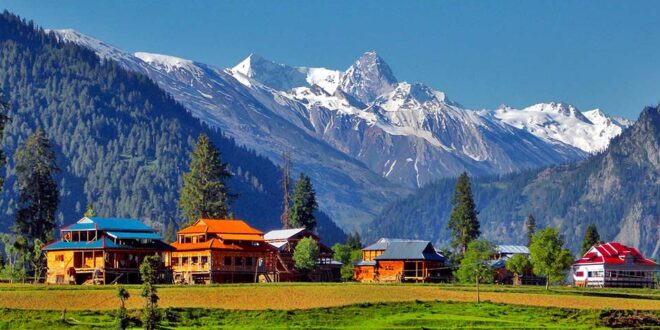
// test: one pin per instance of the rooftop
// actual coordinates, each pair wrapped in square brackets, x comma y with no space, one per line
[282,234]
[614,253]
[118,224]
[221,226]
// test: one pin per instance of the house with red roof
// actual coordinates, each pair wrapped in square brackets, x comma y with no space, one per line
[614,265]
[222,251]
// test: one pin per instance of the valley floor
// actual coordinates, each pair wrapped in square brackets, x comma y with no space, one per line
[328,306]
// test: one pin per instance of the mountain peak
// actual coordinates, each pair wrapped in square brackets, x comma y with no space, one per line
[368,78]
[274,75]
[169,63]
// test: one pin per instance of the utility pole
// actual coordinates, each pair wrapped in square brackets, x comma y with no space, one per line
[286,184]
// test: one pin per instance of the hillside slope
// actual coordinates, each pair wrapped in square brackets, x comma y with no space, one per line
[617,190]
[122,143]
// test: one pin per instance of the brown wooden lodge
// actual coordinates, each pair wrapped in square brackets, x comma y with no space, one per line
[401,260]
[103,251]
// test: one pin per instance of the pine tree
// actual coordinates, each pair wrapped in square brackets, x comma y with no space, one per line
[149,270]
[89,212]
[353,241]
[463,221]
[204,193]
[38,193]
[530,226]
[591,238]
[4,109]
[304,204]
[286,183]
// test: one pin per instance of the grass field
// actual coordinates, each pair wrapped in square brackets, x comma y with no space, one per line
[302,305]
[305,296]
[418,315]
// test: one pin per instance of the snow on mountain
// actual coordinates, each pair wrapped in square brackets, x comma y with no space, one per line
[268,121]
[589,131]
[283,77]
[368,78]
[361,134]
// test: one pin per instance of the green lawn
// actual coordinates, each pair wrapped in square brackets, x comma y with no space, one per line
[433,315]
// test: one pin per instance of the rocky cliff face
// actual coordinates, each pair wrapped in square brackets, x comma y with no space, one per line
[616,189]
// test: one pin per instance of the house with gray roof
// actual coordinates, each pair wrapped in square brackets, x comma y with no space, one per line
[399,260]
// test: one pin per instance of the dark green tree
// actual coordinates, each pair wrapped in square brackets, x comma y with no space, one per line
[353,241]
[149,270]
[38,193]
[122,313]
[306,254]
[463,221]
[4,109]
[89,212]
[591,238]
[205,193]
[304,204]
[530,228]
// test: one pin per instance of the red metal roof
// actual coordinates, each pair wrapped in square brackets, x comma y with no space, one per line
[613,253]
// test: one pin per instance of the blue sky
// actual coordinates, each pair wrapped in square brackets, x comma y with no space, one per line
[592,54]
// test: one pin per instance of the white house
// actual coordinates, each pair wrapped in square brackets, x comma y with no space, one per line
[614,265]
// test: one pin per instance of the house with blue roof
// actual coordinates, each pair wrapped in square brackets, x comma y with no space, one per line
[101,250]
[401,260]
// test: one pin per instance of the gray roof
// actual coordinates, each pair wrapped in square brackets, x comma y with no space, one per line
[410,250]
[512,249]
[362,262]
[383,243]
[282,234]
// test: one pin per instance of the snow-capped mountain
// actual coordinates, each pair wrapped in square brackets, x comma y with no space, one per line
[590,131]
[363,136]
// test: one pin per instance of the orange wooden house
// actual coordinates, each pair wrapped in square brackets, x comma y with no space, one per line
[98,250]
[399,260]
[222,251]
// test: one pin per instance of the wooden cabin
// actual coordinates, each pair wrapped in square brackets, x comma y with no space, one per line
[399,260]
[614,265]
[502,276]
[97,250]
[286,240]
[222,251]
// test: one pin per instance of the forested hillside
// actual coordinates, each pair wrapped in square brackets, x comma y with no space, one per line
[617,190]
[121,142]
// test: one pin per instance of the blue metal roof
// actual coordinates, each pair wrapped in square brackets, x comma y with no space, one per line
[133,235]
[410,250]
[103,243]
[117,224]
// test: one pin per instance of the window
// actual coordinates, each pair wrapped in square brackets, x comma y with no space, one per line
[59,257]
[239,261]
[205,260]
[175,261]
[248,261]
[194,260]
[227,261]
[579,274]
[184,261]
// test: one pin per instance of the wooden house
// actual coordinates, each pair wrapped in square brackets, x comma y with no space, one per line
[614,265]
[399,260]
[502,276]
[103,250]
[286,240]
[222,251]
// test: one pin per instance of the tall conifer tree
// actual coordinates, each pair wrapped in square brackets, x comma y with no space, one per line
[591,238]
[304,204]
[205,193]
[530,227]
[38,193]
[463,221]
[4,109]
